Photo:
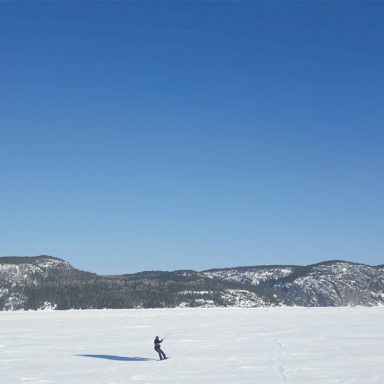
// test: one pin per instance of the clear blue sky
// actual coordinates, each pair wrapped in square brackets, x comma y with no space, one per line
[142,136]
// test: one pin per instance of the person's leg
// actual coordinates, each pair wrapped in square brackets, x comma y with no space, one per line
[158,350]
[162,352]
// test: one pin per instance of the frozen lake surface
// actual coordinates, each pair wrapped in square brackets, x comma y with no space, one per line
[207,346]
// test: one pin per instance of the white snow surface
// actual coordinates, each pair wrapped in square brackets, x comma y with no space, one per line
[207,346]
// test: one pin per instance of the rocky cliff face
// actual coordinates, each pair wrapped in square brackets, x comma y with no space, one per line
[332,283]
[46,282]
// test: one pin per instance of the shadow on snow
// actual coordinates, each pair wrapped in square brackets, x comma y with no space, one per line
[119,358]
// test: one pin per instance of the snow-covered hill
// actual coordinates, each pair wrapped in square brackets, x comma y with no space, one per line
[19,273]
[20,269]
[47,282]
[331,283]
[251,275]
[336,284]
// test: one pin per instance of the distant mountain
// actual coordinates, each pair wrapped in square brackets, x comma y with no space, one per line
[46,282]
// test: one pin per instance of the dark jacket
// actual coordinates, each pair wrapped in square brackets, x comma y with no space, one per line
[158,342]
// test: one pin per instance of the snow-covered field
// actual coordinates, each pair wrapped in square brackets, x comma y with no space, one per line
[276,345]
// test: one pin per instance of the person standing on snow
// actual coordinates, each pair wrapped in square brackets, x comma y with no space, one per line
[158,348]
